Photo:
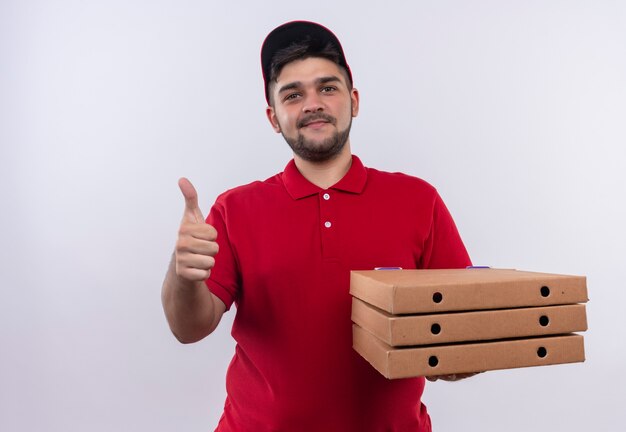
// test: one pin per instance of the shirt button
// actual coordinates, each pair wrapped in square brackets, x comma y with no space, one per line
[326,196]
[327,224]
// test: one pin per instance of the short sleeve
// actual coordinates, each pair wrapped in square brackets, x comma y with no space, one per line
[443,247]
[224,280]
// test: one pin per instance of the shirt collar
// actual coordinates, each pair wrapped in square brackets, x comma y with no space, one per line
[299,187]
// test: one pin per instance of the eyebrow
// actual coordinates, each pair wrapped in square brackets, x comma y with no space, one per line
[318,81]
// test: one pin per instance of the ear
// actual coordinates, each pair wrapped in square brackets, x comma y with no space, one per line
[354,95]
[271,116]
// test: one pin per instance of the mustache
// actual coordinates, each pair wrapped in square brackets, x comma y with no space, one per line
[310,118]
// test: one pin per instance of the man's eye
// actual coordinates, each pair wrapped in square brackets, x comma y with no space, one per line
[328,89]
[291,96]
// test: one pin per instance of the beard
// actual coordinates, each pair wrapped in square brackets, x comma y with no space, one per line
[318,151]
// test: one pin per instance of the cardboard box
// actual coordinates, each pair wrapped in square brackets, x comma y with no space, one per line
[466,357]
[431,291]
[404,330]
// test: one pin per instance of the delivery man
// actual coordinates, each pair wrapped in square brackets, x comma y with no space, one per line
[282,249]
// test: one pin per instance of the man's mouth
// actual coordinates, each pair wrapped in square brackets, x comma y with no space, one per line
[316,124]
[316,121]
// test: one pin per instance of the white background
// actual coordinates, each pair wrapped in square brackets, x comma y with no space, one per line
[514,110]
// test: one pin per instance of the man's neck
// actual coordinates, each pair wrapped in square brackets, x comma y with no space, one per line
[327,173]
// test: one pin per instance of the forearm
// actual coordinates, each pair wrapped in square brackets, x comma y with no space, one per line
[192,311]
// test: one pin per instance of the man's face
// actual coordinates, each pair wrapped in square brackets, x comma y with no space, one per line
[313,108]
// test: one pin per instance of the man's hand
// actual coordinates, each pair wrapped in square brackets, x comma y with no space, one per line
[196,247]
[192,311]
[451,377]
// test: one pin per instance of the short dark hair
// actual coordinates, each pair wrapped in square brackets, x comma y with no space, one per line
[302,50]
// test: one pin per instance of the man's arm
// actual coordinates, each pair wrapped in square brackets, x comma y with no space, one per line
[192,311]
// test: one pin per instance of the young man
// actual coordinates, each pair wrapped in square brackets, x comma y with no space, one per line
[286,247]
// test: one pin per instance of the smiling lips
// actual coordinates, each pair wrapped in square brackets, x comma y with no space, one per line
[316,124]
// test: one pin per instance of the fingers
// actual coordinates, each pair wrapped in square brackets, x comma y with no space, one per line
[194,267]
[192,210]
[196,246]
[192,274]
[199,241]
[451,377]
[465,375]
[200,231]
[195,258]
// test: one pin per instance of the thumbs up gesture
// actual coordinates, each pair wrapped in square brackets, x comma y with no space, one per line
[196,247]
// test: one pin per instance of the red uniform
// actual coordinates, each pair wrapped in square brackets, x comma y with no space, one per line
[286,251]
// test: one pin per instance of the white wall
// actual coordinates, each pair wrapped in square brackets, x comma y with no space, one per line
[515,110]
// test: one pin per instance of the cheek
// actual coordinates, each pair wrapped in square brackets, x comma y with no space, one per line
[286,121]
[347,115]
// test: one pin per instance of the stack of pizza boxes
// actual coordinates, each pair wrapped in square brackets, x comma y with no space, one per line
[410,323]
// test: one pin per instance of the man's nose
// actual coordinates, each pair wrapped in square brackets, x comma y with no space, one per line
[312,103]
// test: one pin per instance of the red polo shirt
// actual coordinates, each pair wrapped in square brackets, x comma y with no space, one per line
[286,251]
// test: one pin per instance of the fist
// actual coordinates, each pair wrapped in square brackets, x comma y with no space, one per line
[196,247]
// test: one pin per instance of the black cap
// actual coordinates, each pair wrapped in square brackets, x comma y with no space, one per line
[293,32]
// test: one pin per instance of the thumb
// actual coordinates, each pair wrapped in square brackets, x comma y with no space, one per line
[192,211]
